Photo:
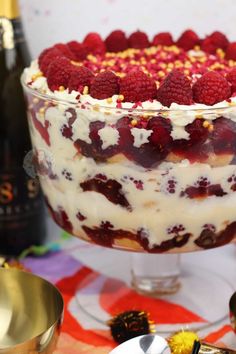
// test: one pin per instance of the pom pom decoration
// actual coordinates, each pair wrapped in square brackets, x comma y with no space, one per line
[182,342]
[130,324]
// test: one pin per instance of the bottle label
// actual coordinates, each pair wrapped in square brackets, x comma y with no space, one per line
[6,33]
[11,32]
[20,198]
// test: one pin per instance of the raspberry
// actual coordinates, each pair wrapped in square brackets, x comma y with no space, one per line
[94,43]
[95,150]
[211,88]
[161,128]
[60,217]
[163,38]
[188,40]
[156,148]
[80,216]
[208,46]
[126,139]
[231,78]
[231,51]
[201,191]
[58,73]
[46,57]
[223,136]
[195,148]
[65,50]
[116,41]
[78,50]
[138,40]
[220,39]
[137,86]
[148,155]
[42,54]
[104,85]
[111,189]
[66,131]
[80,77]
[213,42]
[176,87]
[197,133]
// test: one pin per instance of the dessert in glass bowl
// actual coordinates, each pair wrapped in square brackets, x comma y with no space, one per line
[135,141]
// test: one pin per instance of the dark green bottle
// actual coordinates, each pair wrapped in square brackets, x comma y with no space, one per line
[22,221]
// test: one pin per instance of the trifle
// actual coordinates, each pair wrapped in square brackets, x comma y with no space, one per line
[135,139]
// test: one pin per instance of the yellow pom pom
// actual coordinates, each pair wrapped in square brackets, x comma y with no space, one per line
[182,342]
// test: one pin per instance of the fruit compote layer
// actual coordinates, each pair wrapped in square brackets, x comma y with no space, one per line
[146,180]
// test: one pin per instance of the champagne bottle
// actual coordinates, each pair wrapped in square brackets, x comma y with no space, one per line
[22,221]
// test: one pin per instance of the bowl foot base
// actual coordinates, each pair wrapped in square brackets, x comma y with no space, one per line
[200,300]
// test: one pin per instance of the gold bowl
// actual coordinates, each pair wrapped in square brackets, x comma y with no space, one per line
[31,311]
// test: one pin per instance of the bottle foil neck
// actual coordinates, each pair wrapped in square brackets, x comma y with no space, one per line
[9,9]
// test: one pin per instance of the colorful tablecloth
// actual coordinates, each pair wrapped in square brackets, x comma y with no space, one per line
[80,334]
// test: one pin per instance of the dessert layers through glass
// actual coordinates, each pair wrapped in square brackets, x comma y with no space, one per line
[135,179]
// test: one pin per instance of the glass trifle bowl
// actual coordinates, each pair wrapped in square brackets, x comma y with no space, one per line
[134,143]
[153,182]
[157,181]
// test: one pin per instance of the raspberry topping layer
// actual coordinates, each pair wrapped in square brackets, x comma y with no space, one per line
[186,71]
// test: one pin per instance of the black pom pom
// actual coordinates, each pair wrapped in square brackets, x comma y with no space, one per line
[129,324]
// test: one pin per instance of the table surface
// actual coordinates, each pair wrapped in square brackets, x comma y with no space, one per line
[75,260]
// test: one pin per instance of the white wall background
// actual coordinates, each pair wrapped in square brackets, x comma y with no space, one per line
[50,21]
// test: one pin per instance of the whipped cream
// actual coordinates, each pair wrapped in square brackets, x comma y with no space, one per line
[109,136]
[140,136]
